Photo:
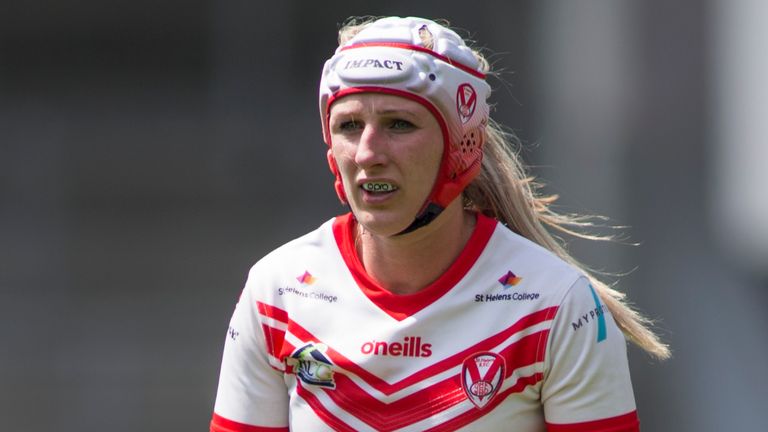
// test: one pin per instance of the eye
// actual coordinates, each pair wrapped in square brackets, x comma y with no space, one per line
[349,126]
[346,126]
[402,125]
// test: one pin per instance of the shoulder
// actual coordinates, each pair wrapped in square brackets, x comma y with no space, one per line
[301,248]
[290,261]
[534,264]
[565,287]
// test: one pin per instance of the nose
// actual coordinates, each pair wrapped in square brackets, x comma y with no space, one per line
[371,149]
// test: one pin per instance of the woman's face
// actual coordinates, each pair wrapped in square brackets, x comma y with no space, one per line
[388,151]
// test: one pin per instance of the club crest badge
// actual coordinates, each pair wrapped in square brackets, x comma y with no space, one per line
[466,101]
[481,377]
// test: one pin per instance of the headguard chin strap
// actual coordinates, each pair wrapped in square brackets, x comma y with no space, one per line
[426,62]
[423,218]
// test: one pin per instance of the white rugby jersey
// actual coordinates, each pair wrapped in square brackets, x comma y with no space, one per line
[510,338]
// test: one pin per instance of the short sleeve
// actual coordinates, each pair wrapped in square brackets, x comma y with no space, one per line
[252,395]
[586,384]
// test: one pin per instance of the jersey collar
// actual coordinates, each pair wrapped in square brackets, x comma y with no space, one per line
[403,306]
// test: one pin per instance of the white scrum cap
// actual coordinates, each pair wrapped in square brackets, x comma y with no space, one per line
[426,62]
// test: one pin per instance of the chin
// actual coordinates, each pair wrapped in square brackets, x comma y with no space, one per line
[382,223]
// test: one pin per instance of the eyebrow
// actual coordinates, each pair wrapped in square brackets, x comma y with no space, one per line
[395,111]
[386,111]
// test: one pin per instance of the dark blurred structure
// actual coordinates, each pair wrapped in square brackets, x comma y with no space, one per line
[151,152]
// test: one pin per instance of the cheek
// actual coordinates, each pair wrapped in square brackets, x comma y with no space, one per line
[427,159]
[343,155]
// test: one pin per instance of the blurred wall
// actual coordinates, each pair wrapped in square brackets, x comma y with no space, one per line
[150,153]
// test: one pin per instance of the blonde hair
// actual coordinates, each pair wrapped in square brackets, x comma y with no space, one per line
[504,191]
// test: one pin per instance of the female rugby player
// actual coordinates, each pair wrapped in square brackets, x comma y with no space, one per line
[440,301]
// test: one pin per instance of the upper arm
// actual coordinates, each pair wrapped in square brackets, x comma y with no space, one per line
[251,392]
[587,384]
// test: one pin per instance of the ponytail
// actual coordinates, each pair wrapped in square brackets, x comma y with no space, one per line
[503,191]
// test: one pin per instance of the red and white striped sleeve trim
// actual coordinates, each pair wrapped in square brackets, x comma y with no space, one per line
[221,424]
[624,423]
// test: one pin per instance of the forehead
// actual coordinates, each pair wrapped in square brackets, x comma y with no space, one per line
[377,103]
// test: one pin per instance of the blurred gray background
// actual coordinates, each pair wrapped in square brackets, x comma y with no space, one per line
[150,152]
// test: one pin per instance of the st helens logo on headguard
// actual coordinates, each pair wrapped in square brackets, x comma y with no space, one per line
[481,377]
[466,101]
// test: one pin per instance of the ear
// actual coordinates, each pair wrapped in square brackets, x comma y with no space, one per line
[337,184]
[332,162]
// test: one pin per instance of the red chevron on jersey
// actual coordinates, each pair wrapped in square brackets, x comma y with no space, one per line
[465,417]
[272,312]
[431,400]
[328,417]
[471,415]
[273,327]
[517,329]
[394,412]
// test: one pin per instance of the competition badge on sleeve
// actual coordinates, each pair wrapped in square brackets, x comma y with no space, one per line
[481,377]
[312,366]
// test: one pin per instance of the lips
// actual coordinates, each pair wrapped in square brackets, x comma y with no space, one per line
[377,192]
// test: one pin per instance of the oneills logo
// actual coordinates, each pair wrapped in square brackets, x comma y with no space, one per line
[412,346]
[481,377]
[466,101]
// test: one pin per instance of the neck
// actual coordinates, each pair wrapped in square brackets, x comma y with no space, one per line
[406,264]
